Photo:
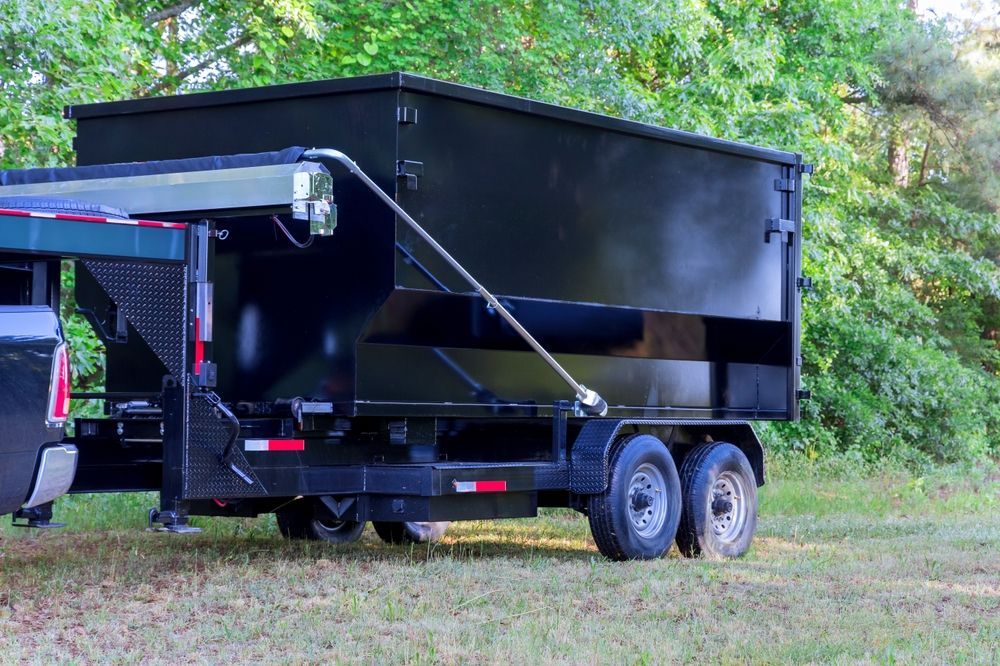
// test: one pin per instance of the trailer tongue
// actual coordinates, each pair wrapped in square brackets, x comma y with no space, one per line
[326,360]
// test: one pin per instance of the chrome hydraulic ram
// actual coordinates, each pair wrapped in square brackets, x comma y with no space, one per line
[590,401]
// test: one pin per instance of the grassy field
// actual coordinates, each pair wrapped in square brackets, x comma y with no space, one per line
[888,569]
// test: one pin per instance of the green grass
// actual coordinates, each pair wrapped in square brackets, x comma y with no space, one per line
[885,569]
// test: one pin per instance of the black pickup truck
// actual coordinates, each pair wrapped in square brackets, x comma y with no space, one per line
[35,467]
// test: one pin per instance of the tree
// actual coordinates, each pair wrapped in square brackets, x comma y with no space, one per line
[899,114]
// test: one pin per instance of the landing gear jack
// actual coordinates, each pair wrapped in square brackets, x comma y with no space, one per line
[39,517]
[170,521]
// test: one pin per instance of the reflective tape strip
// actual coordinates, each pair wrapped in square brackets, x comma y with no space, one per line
[274,445]
[199,353]
[479,486]
[93,218]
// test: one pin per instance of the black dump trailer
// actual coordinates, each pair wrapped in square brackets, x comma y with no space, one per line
[338,367]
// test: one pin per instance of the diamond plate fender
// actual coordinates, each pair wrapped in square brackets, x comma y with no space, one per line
[590,455]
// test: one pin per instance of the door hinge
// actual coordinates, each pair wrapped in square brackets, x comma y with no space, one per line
[784,184]
[804,394]
[804,283]
[775,225]
[406,115]
[411,171]
[806,168]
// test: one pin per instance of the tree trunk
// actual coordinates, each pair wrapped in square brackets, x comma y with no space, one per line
[899,162]
[922,179]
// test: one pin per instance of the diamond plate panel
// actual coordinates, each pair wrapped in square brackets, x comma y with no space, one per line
[153,298]
[204,476]
[591,452]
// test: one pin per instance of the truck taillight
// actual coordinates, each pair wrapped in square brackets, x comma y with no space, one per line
[59,386]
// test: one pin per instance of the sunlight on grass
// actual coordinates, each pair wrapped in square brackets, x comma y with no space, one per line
[860,570]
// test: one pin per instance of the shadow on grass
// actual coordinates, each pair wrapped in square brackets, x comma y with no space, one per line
[95,550]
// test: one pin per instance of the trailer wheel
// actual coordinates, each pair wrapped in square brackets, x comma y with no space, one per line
[410,532]
[302,520]
[636,517]
[719,516]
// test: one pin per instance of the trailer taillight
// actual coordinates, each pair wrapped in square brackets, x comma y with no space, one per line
[59,386]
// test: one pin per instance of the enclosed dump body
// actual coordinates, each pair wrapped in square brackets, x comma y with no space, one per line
[643,258]
[336,371]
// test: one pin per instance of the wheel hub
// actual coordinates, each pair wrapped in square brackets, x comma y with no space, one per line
[728,506]
[647,503]
[721,506]
[641,500]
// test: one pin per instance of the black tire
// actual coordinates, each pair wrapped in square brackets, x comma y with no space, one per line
[617,515]
[304,519]
[410,532]
[57,205]
[713,472]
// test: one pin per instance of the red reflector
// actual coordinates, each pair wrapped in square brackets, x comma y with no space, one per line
[59,386]
[274,445]
[199,346]
[286,445]
[479,486]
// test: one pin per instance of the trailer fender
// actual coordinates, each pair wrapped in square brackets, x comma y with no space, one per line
[741,435]
[591,452]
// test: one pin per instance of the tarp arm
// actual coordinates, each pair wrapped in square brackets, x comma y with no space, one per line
[590,401]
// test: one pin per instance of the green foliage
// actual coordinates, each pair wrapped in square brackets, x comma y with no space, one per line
[899,115]
[86,353]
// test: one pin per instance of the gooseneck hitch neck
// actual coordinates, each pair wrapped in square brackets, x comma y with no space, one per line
[589,401]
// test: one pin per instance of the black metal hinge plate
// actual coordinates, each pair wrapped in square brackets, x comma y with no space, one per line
[411,171]
[406,115]
[784,184]
[774,225]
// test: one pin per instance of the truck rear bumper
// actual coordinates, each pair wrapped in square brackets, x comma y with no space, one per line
[56,470]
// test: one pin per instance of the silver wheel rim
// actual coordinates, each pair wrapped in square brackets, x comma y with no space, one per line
[331,526]
[727,506]
[647,500]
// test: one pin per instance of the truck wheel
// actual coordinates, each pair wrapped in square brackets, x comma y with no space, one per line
[636,517]
[719,515]
[302,520]
[410,532]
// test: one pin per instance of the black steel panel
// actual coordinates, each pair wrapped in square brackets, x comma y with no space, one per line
[515,383]
[436,319]
[536,207]
[285,317]
[415,83]
[486,506]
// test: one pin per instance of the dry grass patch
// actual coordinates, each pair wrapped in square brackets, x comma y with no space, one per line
[834,575]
